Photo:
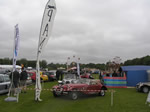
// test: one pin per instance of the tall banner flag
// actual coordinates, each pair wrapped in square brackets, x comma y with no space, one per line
[16,47]
[45,32]
[78,68]
[15,54]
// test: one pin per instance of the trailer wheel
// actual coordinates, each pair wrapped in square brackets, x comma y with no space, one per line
[145,89]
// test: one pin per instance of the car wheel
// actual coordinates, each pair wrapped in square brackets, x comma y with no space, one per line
[73,95]
[33,81]
[42,80]
[102,93]
[54,94]
[145,89]
[49,79]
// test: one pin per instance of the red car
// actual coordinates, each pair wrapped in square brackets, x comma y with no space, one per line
[51,75]
[32,75]
[87,75]
[82,86]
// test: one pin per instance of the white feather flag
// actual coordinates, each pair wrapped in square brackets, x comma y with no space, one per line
[45,32]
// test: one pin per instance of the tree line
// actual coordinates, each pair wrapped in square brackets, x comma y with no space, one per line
[44,64]
[53,66]
[138,61]
[25,62]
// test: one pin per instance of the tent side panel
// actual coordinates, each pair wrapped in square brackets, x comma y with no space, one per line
[134,77]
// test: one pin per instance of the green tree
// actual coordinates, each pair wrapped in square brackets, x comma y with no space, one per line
[6,61]
[43,64]
[24,62]
[1,61]
[139,61]
[31,63]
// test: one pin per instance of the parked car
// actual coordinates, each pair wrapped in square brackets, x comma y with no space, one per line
[51,75]
[33,76]
[82,86]
[143,87]
[69,78]
[4,83]
[29,79]
[3,71]
[87,75]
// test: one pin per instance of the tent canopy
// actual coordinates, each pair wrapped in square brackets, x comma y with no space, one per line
[135,68]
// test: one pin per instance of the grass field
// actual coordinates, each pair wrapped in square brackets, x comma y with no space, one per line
[125,100]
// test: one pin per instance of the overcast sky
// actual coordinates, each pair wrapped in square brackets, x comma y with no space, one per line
[94,30]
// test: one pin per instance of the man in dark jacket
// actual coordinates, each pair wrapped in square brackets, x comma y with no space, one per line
[23,79]
[57,74]
[61,75]
[14,76]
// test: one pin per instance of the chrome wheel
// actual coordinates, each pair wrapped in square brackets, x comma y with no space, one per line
[74,95]
[102,93]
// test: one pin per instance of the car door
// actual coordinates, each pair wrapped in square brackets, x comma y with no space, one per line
[6,82]
[2,86]
[91,88]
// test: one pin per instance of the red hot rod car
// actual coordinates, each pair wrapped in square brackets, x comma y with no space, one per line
[82,86]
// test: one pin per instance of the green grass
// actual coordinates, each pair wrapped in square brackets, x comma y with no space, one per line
[125,100]
[95,76]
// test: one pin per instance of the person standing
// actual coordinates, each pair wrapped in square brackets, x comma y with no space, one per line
[57,74]
[114,74]
[101,77]
[15,76]
[23,79]
[61,75]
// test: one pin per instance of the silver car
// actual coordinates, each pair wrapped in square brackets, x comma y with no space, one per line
[143,87]
[4,83]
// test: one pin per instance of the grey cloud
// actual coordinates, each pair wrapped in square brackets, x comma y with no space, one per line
[96,31]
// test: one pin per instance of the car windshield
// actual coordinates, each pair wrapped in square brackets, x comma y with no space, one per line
[81,81]
[85,81]
[69,76]
[6,77]
[49,73]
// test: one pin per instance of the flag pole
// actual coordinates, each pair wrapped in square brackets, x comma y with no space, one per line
[15,54]
[38,82]
[78,68]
